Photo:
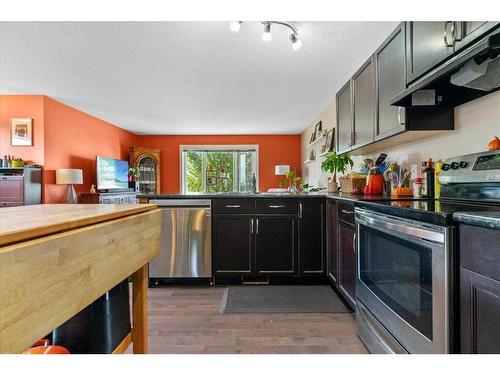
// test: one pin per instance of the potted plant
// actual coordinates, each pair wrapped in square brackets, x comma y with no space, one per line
[291,180]
[334,163]
[133,176]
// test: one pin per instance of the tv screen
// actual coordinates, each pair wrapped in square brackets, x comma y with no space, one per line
[111,173]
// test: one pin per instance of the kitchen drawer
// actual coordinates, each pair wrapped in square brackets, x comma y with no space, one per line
[346,212]
[233,206]
[276,206]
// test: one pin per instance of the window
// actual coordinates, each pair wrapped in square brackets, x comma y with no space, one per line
[213,169]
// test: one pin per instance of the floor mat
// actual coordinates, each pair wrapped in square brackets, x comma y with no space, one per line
[281,299]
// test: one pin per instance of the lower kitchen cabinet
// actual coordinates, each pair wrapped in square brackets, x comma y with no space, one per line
[347,261]
[312,257]
[480,313]
[232,245]
[275,245]
[479,290]
[331,242]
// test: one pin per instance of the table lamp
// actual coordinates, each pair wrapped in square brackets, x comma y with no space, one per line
[69,177]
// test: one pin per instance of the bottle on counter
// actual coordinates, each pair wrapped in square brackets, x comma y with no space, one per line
[254,184]
[417,187]
[437,184]
[5,162]
[428,180]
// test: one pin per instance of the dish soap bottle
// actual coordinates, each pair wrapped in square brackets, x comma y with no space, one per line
[428,179]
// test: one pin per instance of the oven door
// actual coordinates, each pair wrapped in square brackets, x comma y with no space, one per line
[402,278]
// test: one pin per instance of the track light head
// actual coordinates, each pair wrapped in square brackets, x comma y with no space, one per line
[296,42]
[235,25]
[267,36]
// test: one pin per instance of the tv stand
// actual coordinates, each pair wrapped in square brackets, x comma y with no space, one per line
[115,197]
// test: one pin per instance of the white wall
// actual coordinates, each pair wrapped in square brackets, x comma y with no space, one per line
[476,123]
[312,173]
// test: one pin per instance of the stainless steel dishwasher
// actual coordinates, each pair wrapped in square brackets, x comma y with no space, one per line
[186,240]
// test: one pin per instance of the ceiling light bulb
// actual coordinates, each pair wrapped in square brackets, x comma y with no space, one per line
[235,26]
[296,42]
[267,36]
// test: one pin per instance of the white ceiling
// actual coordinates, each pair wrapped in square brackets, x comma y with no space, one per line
[187,77]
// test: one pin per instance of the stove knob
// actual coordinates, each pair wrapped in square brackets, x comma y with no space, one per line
[454,165]
[445,167]
[463,164]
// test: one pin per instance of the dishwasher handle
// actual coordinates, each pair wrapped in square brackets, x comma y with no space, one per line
[182,203]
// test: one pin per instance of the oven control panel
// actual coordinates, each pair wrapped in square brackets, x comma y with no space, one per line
[472,168]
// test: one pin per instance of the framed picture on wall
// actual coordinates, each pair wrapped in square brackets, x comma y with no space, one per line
[21,132]
[313,137]
[318,130]
[330,141]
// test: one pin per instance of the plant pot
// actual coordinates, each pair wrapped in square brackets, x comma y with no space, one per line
[333,187]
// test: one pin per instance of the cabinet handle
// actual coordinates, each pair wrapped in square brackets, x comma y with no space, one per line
[300,210]
[233,206]
[401,122]
[354,243]
[276,206]
[347,212]
[257,226]
[4,178]
[445,35]
[252,224]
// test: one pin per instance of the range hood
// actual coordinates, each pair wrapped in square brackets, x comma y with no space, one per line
[466,76]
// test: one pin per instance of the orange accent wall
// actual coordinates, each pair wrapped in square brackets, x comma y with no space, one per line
[73,139]
[273,150]
[65,137]
[25,106]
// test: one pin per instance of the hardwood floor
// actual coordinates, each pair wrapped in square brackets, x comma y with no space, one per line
[187,320]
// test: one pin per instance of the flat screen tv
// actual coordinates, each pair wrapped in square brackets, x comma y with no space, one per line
[111,173]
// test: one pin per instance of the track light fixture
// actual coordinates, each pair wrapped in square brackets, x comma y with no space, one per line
[267,36]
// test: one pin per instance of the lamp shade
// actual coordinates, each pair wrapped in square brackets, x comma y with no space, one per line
[69,176]
[280,170]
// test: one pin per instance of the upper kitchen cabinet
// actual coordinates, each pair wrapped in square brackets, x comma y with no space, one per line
[390,80]
[344,118]
[363,87]
[427,44]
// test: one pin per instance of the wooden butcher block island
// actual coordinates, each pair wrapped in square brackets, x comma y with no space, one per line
[57,259]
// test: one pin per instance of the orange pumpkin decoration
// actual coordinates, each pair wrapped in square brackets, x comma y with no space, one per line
[494,144]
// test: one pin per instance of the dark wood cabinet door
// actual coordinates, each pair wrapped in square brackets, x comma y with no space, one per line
[347,261]
[331,241]
[312,237]
[426,46]
[390,81]
[344,118]
[363,87]
[480,313]
[275,244]
[232,245]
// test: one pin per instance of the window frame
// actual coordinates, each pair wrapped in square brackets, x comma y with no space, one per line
[217,148]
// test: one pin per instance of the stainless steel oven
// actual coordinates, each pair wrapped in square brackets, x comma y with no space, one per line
[402,284]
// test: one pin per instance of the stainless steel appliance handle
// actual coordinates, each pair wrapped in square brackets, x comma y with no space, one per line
[445,34]
[399,225]
[277,206]
[233,206]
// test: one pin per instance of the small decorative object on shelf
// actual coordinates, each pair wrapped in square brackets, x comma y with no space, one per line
[93,190]
[133,176]
[334,163]
[147,163]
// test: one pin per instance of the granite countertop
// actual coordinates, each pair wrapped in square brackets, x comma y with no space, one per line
[487,219]
[338,196]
